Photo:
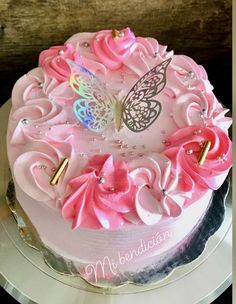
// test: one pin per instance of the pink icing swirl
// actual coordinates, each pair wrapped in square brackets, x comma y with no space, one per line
[40,114]
[184,150]
[160,190]
[112,52]
[53,61]
[34,168]
[101,195]
[34,85]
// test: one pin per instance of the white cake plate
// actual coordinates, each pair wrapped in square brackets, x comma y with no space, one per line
[24,275]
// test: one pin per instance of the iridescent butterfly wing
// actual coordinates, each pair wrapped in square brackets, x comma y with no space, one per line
[95,109]
[140,109]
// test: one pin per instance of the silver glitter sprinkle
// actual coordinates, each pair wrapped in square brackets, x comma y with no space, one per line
[189,151]
[42,167]
[112,189]
[36,126]
[190,74]
[164,192]
[101,180]
[41,84]
[25,121]
[155,54]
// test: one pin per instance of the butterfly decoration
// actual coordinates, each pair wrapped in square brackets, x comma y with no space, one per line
[97,108]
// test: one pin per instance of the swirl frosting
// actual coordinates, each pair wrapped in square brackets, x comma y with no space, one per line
[101,195]
[34,168]
[184,149]
[53,61]
[112,52]
[37,112]
[160,190]
[43,130]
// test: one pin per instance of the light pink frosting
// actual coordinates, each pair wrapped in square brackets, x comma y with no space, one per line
[161,191]
[53,61]
[100,195]
[34,168]
[184,150]
[38,113]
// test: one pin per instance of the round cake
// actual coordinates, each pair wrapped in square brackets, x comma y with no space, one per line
[115,147]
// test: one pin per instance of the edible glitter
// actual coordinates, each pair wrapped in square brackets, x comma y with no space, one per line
[24,121]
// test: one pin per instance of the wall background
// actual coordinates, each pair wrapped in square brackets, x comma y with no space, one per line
[198,28]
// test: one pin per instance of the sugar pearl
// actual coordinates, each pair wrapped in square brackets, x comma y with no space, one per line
[24,121]
[121,34]
[189,151]
[190,74]
[60,52]
[85,44]
[101,180]
[164,192]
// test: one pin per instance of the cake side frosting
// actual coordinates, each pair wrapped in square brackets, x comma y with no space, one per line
[148,176]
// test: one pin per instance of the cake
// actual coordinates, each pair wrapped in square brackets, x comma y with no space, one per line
[115,147]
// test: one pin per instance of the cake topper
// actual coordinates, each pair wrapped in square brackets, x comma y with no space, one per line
[98,108]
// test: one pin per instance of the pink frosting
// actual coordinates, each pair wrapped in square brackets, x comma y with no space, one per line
[33,170]
[184,148]
[34,85]
[112,52]
[161,191]
[45,98]
[54,62]
[40,115]
[101,195]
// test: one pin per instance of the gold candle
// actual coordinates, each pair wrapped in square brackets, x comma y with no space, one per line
[204,151]
[57,174]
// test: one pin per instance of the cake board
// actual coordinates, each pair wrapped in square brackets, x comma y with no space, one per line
[26,277]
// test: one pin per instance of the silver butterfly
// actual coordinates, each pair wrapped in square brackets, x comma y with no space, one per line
[97,108]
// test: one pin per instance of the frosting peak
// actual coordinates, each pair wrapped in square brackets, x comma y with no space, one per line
[112,51]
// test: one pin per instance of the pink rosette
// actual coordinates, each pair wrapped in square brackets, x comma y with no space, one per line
[161,192]
[112,52]
[53,61]
[184,148]
[101,195]
[35,166]
[34,85]
[196,108]
[34,119]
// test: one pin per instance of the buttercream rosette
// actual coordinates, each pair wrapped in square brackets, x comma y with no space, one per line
[184,148]
[101,195]
[160,190]
[53,61]
[34,168]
